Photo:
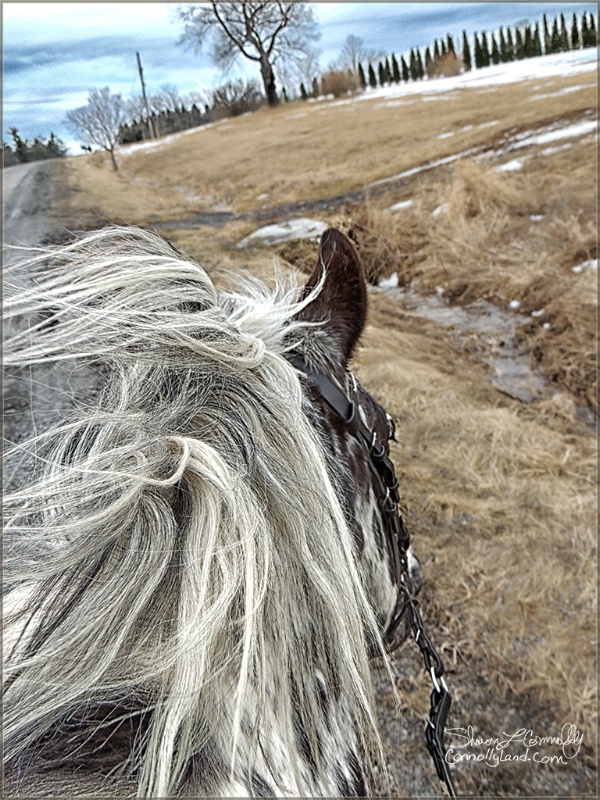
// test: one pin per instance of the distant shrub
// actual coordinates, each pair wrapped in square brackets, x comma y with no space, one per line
[236,97]
[444,66]
[339,83]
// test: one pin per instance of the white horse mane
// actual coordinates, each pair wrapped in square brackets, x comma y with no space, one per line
[185,551]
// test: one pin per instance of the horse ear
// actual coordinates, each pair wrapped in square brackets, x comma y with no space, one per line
[342,302]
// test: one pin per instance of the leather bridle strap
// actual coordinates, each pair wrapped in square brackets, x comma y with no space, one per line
[398,539]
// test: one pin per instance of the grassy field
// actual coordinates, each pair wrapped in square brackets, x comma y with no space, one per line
[500,494]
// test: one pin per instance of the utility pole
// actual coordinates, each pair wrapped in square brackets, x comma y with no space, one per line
[150,125]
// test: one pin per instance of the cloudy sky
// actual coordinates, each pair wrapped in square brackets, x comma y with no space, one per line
[54,53]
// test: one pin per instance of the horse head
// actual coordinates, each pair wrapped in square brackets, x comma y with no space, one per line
[212,548]
[357,431]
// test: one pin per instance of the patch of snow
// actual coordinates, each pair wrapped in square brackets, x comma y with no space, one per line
[488,124]
[514,304]
[445,135]
[440,210]
[153,144]
[546,326]
[566,132]
[510,166]
[536,217]
[389,283]
[572,62]
[538,313]
[439,290]
[393,104]
[428,165]
[301,228]
[262,196]
[592,264]
[547,151]
[566,90]
[402,204]
[467,127]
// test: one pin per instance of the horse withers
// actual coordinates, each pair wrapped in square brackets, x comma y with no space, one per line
[207,553]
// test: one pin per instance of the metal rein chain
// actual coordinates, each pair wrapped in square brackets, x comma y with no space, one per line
[386,489]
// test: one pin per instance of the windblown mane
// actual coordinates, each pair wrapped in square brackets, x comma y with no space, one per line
[184,569]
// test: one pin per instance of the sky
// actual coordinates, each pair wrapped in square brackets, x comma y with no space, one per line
[54,53]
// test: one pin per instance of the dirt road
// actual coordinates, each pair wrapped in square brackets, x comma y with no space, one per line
[34,398]
[28,196]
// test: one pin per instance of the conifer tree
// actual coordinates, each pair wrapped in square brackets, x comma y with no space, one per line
[466,52]
[478,63]
[443,50]
[575,42]
[564,36]
[361,77]
[420,68]
[450,44]
[485,53]
[303,94]
[372,78]
[528,43]
[436,50]
[395,70]
[503,53]
[412,65]
[404,67]
[519,48]
[381,73]
[555,38]
[537,42]
[495,51]
[428,62]
[547,39]
[585,33]
[510,47]
[388,71]
[592,32]
[315,87]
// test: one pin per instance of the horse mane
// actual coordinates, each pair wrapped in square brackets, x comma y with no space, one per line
[182,557]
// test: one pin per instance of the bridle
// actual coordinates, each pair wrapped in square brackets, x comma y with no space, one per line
[385,486]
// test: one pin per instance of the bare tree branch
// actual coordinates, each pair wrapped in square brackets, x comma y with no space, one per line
[261,32]
[100,121]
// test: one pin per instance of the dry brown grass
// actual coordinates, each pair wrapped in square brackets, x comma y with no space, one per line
[309,150]
[500,495]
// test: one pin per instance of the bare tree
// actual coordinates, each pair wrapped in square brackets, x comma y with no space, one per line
[100,121]
[354,52]
[260,32]
[169,96]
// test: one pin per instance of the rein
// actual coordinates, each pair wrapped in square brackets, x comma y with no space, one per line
[398,542]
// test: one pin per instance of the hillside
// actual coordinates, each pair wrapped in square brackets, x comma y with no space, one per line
[473,202]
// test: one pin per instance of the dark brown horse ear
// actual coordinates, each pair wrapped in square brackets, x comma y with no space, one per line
[342,302]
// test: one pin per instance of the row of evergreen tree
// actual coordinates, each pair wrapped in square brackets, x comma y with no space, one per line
[165,122]
[510,45]
[22,150]
[527,43]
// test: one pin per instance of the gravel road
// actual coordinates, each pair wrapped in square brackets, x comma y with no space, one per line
[43,395]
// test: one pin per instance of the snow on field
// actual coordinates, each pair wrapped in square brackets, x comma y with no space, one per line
[527,139]
[153,144]
[301,228]
[576,129]
[389,283]
[401,205]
